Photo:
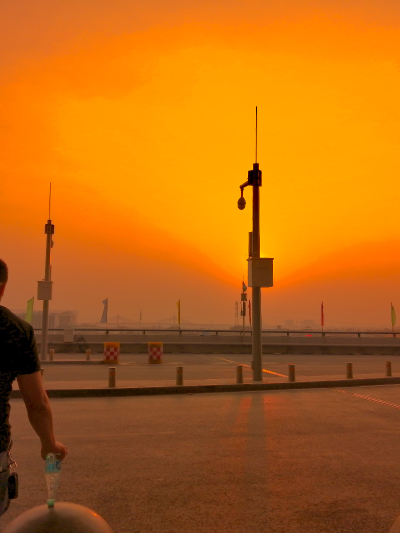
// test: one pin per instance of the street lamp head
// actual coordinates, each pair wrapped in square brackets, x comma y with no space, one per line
[241,203]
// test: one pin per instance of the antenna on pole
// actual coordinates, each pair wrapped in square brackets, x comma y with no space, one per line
[256,134]
[50,201]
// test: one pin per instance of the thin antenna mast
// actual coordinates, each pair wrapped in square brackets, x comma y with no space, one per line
[256,134]
[50,201]
[45,286]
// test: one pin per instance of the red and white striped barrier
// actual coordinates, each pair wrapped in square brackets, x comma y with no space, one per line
[156,352]
[111,352]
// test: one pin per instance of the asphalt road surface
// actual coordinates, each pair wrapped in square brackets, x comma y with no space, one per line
[315,461]
[134,369]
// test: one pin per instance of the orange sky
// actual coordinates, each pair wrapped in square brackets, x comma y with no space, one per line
[142,117]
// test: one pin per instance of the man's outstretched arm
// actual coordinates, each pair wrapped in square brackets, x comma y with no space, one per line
[39,413]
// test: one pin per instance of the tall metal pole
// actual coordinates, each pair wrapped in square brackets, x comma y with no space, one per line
[256,291]
[254,180]
[244,319]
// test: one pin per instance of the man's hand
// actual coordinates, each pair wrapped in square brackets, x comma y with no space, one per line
[57,448]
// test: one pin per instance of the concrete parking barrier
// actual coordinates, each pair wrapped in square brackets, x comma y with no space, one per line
[179,375]
[88,354]
[388,369]
[62,517]
[349,371]
[111,376]
[239,374]
[292,376]
[51,354]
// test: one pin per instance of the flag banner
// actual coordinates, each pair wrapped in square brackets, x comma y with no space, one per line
[105,312]
[393,315]
[250,312]
[178,304]
[29,311]
[322,314]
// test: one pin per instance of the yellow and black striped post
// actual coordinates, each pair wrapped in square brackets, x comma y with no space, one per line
[349,373]
[388,369]
[292,376]
[88,354]
[239,374]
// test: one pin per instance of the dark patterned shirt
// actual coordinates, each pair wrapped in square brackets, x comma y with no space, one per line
[18,355]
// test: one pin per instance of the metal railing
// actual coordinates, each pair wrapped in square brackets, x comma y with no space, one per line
[265,332]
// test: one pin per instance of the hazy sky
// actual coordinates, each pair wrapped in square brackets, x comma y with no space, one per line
[141,114]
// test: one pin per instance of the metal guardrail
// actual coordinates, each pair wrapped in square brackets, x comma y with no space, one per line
[265,332]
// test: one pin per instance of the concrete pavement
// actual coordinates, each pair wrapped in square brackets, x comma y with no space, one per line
[206,373]
[320,461]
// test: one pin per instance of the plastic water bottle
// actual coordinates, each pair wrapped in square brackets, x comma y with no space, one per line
[52,474]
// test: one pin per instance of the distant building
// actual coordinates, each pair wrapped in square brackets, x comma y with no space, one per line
[66,319]
[308,324]
[289,324]
[57,319]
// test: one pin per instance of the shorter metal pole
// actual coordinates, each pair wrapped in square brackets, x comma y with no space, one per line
[51,354]
[349,373]
[88,354]
[239,374]
[179,375]
[111,376]
[388,369]
[45,336]
[292,376]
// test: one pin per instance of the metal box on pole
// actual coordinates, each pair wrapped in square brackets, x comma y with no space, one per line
[260,272]
[45,290]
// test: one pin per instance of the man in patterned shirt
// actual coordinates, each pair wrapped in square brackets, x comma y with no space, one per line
[19,359]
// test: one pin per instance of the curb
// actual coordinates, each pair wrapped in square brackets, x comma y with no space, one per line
[196,389]
[73,362]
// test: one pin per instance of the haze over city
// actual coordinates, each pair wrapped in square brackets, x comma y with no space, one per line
[142,118]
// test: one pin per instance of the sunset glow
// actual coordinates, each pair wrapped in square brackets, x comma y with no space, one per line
[143,121]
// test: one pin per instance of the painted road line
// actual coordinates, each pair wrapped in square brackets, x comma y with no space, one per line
[248,367]
[369,398]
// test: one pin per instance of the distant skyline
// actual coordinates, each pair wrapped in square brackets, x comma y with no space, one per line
[141,115]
